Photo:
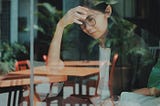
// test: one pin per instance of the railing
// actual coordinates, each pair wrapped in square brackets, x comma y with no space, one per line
[155,51]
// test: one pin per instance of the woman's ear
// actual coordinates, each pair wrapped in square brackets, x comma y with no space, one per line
[108,11]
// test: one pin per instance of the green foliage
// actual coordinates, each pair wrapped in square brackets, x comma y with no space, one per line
[127,43]
[9,54]
[121,33]
[4,68]
[93,2]
[48,18]
[123,40]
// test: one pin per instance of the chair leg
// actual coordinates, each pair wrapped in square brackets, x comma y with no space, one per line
[59,99]
[91,83]
[14,98]
[48,103]
[19,97]
[9,98]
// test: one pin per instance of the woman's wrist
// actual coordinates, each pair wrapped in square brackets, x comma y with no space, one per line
[151,91]
[154,91]
[61,23]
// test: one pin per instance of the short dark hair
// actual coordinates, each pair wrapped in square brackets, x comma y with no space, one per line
[100,7]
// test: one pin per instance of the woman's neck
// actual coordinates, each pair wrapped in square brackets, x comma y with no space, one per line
[102,40]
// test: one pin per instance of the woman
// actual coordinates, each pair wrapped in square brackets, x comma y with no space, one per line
[94,22]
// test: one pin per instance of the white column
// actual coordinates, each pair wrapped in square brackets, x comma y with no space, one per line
[14,21]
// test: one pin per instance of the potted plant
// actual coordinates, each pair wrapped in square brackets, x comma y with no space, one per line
[9,54]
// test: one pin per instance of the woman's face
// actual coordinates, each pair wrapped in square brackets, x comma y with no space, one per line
[95,25]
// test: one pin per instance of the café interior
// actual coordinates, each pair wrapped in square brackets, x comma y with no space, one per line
[26,31]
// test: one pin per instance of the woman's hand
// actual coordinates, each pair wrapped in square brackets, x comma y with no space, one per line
[74,15]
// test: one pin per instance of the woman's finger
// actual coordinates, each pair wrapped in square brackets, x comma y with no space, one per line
[80,16]
[81,10]
[77,21]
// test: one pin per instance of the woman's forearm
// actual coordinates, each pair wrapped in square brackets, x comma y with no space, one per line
[143,91]
[72,16]
[148,91]
[54,49]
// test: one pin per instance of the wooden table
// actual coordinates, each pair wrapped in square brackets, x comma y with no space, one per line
[82,63]
[68,71]
[80,72]
[16,82]
[21,78]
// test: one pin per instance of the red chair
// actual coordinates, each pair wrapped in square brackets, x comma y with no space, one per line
[66,83]
[25,64]
[111,78]
[21,66]
[94,83]
[111,74]
[49,99]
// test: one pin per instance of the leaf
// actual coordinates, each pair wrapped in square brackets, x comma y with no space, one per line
[48,7]
[39,28]
[91,45]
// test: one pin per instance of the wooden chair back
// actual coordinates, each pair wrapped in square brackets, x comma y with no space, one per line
[22,65]
[111,74]
[94,83]
[86,99]
[155,51]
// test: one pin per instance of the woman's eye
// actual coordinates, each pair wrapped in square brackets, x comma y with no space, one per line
[90,19]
